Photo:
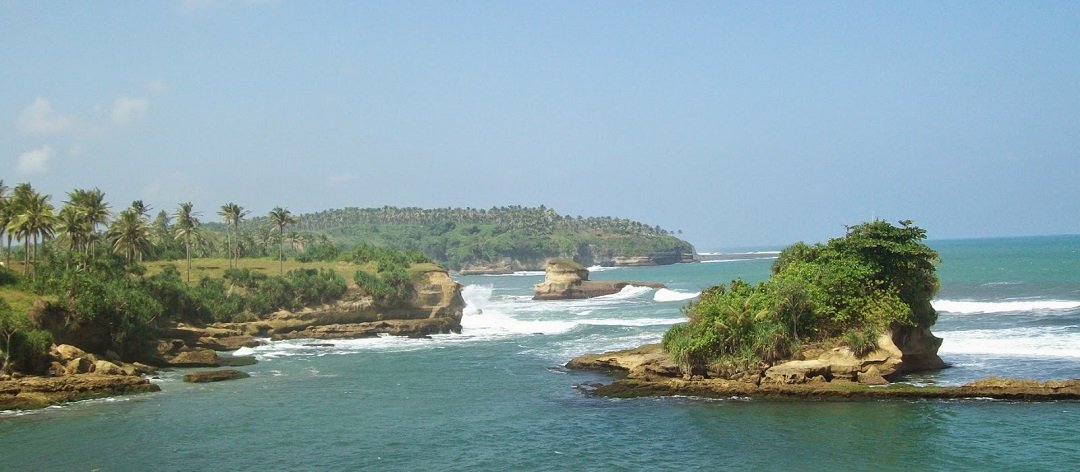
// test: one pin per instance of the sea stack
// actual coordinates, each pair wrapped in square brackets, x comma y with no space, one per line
[565,279]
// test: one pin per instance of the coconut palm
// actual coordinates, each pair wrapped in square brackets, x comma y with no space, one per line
[187,230]
[130,235]
[85,210]
[35,221]
[281,218]
[232,214]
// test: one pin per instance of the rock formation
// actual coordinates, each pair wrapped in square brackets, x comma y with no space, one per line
[204,376]
[566,280]
[647,371]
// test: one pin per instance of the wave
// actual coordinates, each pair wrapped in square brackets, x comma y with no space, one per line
[600,268]
[667,295]
[627,292]
[520,273]
[972,307]
[1059,341]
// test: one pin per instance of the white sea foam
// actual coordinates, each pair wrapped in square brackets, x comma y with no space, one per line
[972,307]
[627,292]
[1044,341]
[631,321]
[600,268]
[244,351]
[668,295]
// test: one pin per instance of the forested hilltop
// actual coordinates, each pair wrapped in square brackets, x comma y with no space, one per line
[500,238]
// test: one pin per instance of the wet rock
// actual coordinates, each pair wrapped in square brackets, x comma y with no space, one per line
[205,376]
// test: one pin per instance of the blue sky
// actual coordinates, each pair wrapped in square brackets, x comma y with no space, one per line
[741,124]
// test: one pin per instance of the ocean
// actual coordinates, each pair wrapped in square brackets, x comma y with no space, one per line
[497,397]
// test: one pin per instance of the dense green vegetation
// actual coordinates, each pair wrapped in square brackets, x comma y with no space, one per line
[462,237]
[849,290]
[83,270]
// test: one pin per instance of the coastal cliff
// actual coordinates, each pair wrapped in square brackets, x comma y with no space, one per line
[434,307]
[567,280]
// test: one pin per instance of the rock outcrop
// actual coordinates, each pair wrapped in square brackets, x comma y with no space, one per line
[204,376]
[568,280]
[39,392]
[647,371]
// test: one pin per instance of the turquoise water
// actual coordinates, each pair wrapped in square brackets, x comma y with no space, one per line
[497,398]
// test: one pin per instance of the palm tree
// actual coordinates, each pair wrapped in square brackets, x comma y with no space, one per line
[34,222]
[86,209]
[187,230]
[232,214]
[281,218]
[130,235]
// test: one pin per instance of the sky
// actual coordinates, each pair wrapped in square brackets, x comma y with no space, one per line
[738,123]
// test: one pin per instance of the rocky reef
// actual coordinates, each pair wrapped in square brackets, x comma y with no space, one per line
[567,280]
[834,373]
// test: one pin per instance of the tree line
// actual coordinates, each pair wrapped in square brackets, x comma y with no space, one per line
[85,221]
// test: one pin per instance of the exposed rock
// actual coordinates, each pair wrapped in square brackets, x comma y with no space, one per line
[105,367]
[410,328]
[197,357]
[1006,389]
[797,372]
[567,280]
[872,377]
[65,352]
[39,392]
[204,376]
[642,361]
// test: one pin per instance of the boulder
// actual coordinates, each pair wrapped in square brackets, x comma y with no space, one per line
[643,361]
[104,367]
[65,352]
[198,357]
[204,376]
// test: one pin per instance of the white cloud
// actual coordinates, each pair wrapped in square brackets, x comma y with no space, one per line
[35,161]
[40,119]
[127,109]
[157,86]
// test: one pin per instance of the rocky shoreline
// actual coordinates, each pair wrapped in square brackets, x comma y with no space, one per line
[647,371]
[74,374]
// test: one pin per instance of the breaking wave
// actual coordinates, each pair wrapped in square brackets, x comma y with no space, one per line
[972,307]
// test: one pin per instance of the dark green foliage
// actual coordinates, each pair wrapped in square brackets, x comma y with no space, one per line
[390,284]
[22,347]
[730,325]
[456,237]
[876,277]
[323,251]
[8,276]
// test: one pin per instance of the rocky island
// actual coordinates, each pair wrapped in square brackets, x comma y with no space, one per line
[836,320]
[565,279]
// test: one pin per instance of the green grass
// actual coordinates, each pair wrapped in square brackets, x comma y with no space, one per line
[216,267]
[22,301]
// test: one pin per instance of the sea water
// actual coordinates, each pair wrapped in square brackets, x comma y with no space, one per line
[496,396]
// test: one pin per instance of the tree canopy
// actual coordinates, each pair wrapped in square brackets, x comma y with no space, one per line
[876,277]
